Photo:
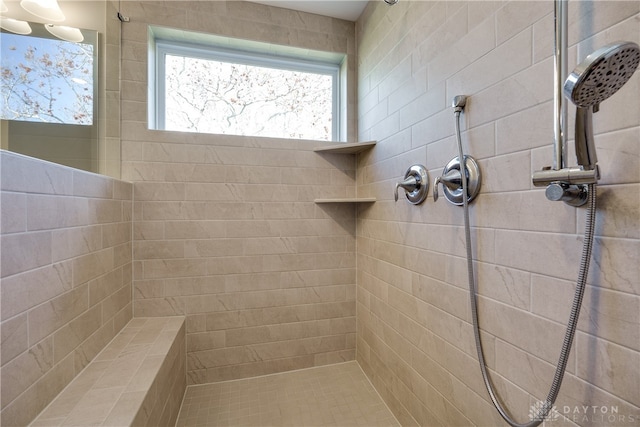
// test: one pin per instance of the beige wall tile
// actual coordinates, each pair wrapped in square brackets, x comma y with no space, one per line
[48,212]
[94,407]
[116,302]
[513,18]
[23,291]
[220,321]
[13,217]
[70,336]
[609,314]
[28,175]
[58,311]
[49,333]
[92,265]
[526,249]
[104,210]
[14,338]
[76,241]
[24,251]
[27,406]
[87,184]
[597,359]
[92,346]
[26,369]
[507,173]
[615,256]
[122,255]
[289,267]
[116,233]
[159,307]
[128,403]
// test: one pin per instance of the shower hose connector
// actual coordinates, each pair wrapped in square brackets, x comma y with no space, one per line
[569,185]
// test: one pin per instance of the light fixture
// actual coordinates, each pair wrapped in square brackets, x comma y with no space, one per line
[15,26]
[63,32]
[45,9]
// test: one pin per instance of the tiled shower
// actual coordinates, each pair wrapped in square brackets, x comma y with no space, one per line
[224,229]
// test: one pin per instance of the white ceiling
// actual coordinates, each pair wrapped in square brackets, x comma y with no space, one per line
[343,9]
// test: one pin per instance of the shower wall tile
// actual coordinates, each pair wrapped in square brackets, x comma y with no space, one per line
[57,312]
[528,211]
[22,252]
[14,212]
[513,17]
[225,229]
[526,129]
[609,314]
[619,156]
[29,175]
[15,338]
[66,277]
[599,358]
[479,72]
[620,204]
[515,165]
[76,241]
[414,335]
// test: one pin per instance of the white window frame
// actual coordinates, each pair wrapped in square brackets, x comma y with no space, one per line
[160,47]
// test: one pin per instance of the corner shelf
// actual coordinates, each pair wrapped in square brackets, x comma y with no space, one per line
[346,148]
[347,200]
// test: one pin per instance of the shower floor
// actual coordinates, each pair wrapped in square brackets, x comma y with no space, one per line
[334,395]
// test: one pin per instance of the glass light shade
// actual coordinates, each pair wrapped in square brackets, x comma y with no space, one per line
[63,32]
[15,26]
[45,9]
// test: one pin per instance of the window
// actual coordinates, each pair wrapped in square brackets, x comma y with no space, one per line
[203,87]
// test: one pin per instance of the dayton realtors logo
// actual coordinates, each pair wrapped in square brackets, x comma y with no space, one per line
[543,411]
[599,415]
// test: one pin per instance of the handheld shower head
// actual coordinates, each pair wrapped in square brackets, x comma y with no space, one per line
[602,73]
[597,78]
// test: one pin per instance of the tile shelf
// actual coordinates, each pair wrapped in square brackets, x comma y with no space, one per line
[347,200]
[346,148]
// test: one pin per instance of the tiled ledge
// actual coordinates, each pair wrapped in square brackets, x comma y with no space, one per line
[138,379]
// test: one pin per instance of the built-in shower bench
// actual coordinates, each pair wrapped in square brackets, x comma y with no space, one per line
[138,379]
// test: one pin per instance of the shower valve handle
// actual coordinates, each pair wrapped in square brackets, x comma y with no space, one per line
[409,185]
[415,184]
[452,180]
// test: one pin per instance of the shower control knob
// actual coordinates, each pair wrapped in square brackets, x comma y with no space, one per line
[415,184]
[451,180]
[409,185]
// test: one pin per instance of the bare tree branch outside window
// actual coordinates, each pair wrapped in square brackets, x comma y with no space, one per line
[46,80]
[209,96]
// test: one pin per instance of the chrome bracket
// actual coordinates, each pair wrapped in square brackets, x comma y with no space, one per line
[569,185]
[451,180]
[415,184]
[573,195]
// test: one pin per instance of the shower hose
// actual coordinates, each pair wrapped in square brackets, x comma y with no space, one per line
[542,411]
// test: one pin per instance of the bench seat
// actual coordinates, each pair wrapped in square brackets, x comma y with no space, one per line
[138,379]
